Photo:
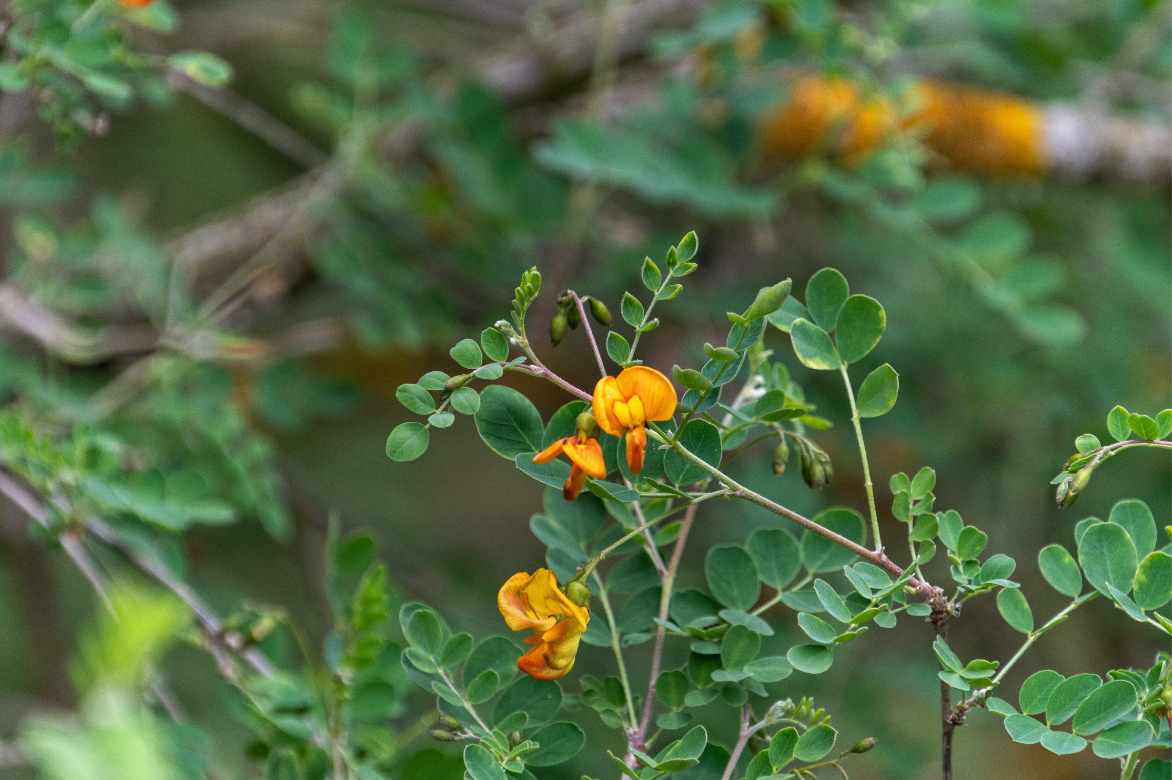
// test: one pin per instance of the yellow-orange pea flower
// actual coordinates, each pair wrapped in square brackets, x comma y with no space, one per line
[624,404]
[534,602]
[135,3]
[586,460]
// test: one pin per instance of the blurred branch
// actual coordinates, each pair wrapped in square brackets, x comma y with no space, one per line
[61,337]
[219,640]
[252,118]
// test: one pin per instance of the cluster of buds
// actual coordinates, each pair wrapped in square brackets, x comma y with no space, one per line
[525,293]
[817,470]
[448,729]
[568,316]
[780,456]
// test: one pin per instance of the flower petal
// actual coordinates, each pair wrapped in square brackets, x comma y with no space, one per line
[655,390]
[551,452]
[514,605]
[587,456]
[574,482]
[606,392]
[636,448]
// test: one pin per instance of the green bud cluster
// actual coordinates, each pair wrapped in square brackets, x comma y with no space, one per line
[817,470]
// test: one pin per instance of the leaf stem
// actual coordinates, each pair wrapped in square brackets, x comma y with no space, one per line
[467,705]
[1129,766]
[667,277]
[867,483]
[742,739]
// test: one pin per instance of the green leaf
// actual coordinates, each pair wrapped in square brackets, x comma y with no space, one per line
[738,647]
[652,276]
[456,650]
[811,659]
[481,765]
[879,391]
[202,67]
[947,199]
[831,601]
[441,420]
[1152,588]
[1117,423]
[701,438]
[737,617]
[813,347]
[1060,570]
[618,347]
[433,380]
[826,292]
[1103,707]
[483,687]
[1123,739]
[1143,426]
[1068,695]
[415,398]
[1107,555]
[1156,769]
[816,628]
[688,246]
[1137,519]
[408,441]
[539,699]
[632,310]
[923,482]
[820,554]
[1015,610]
[507,421]
[782,746]
[776,554]
[1036,690]
[465,400]
[423,629]
[770,669]
[558,743]
[1063,743]
[732,576]
[467,354]
[1164,423]
[860,326]
[948,659]
[1087,442]
[971,543]
[815,743]
[792,309]
[1024,729]
[494,344]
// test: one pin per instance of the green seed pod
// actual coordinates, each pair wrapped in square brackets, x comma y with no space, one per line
[557,327]
[450,723]
[863,745]
[443,735]
[573,316]
[599,312]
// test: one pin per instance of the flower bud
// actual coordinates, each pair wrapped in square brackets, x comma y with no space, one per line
[443,735]
[577,592]
[1070,488]
[586,425]
[780,456]
[863,745]
[599,312]
[515,738]
[557,327]
[573,316]
[456,382]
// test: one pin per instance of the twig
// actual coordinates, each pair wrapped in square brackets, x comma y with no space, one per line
[742,739]
[589,331]
[624,680]
[541,372]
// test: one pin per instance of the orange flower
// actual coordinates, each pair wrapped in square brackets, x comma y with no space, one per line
[535,602]
[625,403]
[585,454]
[135,3]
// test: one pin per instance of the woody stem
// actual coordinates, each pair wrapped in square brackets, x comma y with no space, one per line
[589,331]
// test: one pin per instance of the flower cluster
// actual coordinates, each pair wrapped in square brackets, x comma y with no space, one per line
[622,406]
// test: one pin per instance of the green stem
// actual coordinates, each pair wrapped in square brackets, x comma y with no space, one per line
[618,650]
[867,483]
[1129,766]
[467,705]
[776,598]
[647,314]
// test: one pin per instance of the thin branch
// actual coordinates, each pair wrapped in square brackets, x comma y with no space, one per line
[589,331]
[742,739]
[927,591]
[541,372]
[867,483]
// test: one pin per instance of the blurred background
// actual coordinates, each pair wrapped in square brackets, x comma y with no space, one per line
[211,287]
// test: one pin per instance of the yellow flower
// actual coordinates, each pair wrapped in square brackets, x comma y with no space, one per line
[585,454]
[625,403]
[535,602]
